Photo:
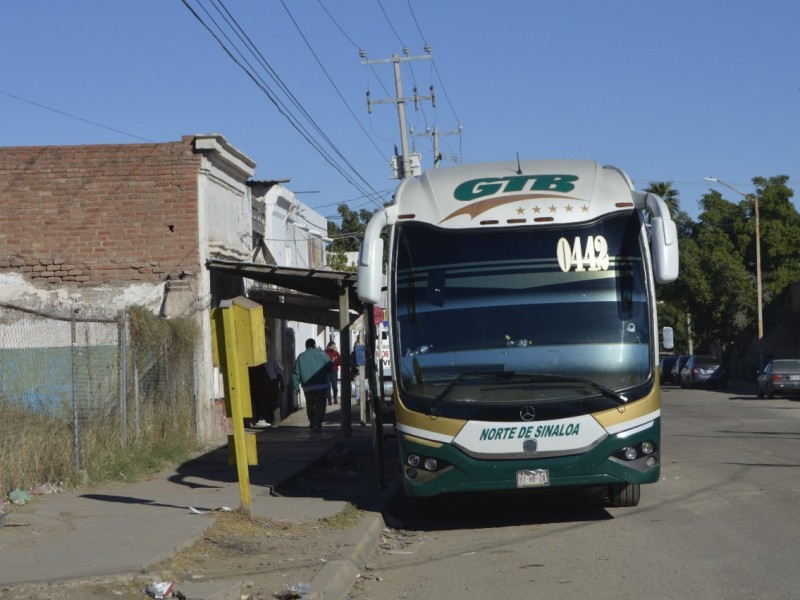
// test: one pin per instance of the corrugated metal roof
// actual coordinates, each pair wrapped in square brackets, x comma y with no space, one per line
[306,295]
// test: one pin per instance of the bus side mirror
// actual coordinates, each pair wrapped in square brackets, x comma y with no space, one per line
[667,338]
[664,240]
[370,256]
[665,250]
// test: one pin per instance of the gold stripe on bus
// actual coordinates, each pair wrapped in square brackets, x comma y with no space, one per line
[422,441]
[442,425]
[628,412]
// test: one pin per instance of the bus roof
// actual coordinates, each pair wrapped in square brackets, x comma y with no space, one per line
[514,193]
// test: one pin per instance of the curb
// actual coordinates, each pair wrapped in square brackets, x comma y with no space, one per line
[337,578]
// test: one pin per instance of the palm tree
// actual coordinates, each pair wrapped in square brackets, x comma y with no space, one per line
[667,193]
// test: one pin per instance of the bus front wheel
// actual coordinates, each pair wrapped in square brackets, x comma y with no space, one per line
[624,494]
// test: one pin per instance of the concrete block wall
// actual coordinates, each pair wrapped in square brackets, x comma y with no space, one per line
[99,214]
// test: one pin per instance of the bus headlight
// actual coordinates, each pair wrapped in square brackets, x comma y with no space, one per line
[644,453]
[430,464]
[640,457]
[419,466]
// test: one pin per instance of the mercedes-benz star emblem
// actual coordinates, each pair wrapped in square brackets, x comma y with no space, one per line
[527,413]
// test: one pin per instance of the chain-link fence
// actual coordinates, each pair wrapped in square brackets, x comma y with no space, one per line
[83,394]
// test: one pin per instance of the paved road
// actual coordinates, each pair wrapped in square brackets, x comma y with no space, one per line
[723,523]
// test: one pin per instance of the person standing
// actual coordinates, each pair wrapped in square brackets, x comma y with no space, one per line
[311,369]
[358,358]
[336,360]
[274,371]
[258,397]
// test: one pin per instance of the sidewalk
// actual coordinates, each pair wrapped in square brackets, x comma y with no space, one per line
[122,529]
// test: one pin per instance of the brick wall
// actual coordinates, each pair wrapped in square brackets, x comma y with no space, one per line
[102,214]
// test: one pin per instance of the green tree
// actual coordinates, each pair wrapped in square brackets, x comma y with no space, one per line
[717,284]
[347,237]
[719,278]
[779,225]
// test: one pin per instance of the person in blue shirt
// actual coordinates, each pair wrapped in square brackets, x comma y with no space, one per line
[358,358]
[311,369]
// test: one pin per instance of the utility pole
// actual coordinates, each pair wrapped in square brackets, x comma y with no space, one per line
[400,100]
[760,308]
[437,157]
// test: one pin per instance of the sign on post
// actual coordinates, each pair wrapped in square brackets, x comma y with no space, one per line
[238,343]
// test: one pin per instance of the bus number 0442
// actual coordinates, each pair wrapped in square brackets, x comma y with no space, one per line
[592,255]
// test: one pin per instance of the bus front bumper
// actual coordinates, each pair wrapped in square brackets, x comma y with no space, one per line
[456,471]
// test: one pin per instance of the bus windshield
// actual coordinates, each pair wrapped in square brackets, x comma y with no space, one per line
[563,309]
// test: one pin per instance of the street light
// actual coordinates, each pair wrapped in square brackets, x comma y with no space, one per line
[758,262]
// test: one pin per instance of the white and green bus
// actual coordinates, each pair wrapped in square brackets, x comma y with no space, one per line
[522,322]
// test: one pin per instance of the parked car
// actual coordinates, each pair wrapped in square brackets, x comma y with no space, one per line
[665,366]
[780,376]
[675,372]
[703,370]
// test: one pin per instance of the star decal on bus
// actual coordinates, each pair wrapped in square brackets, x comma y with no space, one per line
[475,209]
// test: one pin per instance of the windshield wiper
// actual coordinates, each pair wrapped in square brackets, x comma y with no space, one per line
[605,391]
[528,377]
[458,379]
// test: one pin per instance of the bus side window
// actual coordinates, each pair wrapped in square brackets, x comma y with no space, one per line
[435,293]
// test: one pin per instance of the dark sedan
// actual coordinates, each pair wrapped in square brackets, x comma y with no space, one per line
[703,370]
[779,377]
[667,362]
[675,372]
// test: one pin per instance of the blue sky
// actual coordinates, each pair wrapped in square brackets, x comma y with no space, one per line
[668,91]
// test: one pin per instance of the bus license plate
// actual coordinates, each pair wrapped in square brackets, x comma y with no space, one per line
[533,478]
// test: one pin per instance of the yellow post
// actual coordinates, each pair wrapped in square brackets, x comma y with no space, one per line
[239,343]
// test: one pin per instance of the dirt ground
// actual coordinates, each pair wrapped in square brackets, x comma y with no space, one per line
[272,557]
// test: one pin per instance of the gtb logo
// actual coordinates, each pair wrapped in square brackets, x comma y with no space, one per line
[490,186]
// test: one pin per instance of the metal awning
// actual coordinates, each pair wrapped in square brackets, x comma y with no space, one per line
[306,295]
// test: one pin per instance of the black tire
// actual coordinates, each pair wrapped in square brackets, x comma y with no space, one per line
[428,507]
[624,495]
[760,394]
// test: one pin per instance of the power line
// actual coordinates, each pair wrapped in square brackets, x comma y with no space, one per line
[261,84]
[363,54]
[71,116]
[234,24]
[405,51]
[330,79]
[409,68]
[435,68]
[414,17]
[391,26]
[356,46]
[339,27]
[368,199]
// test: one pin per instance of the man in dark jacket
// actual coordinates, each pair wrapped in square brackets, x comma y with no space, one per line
[311,369]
